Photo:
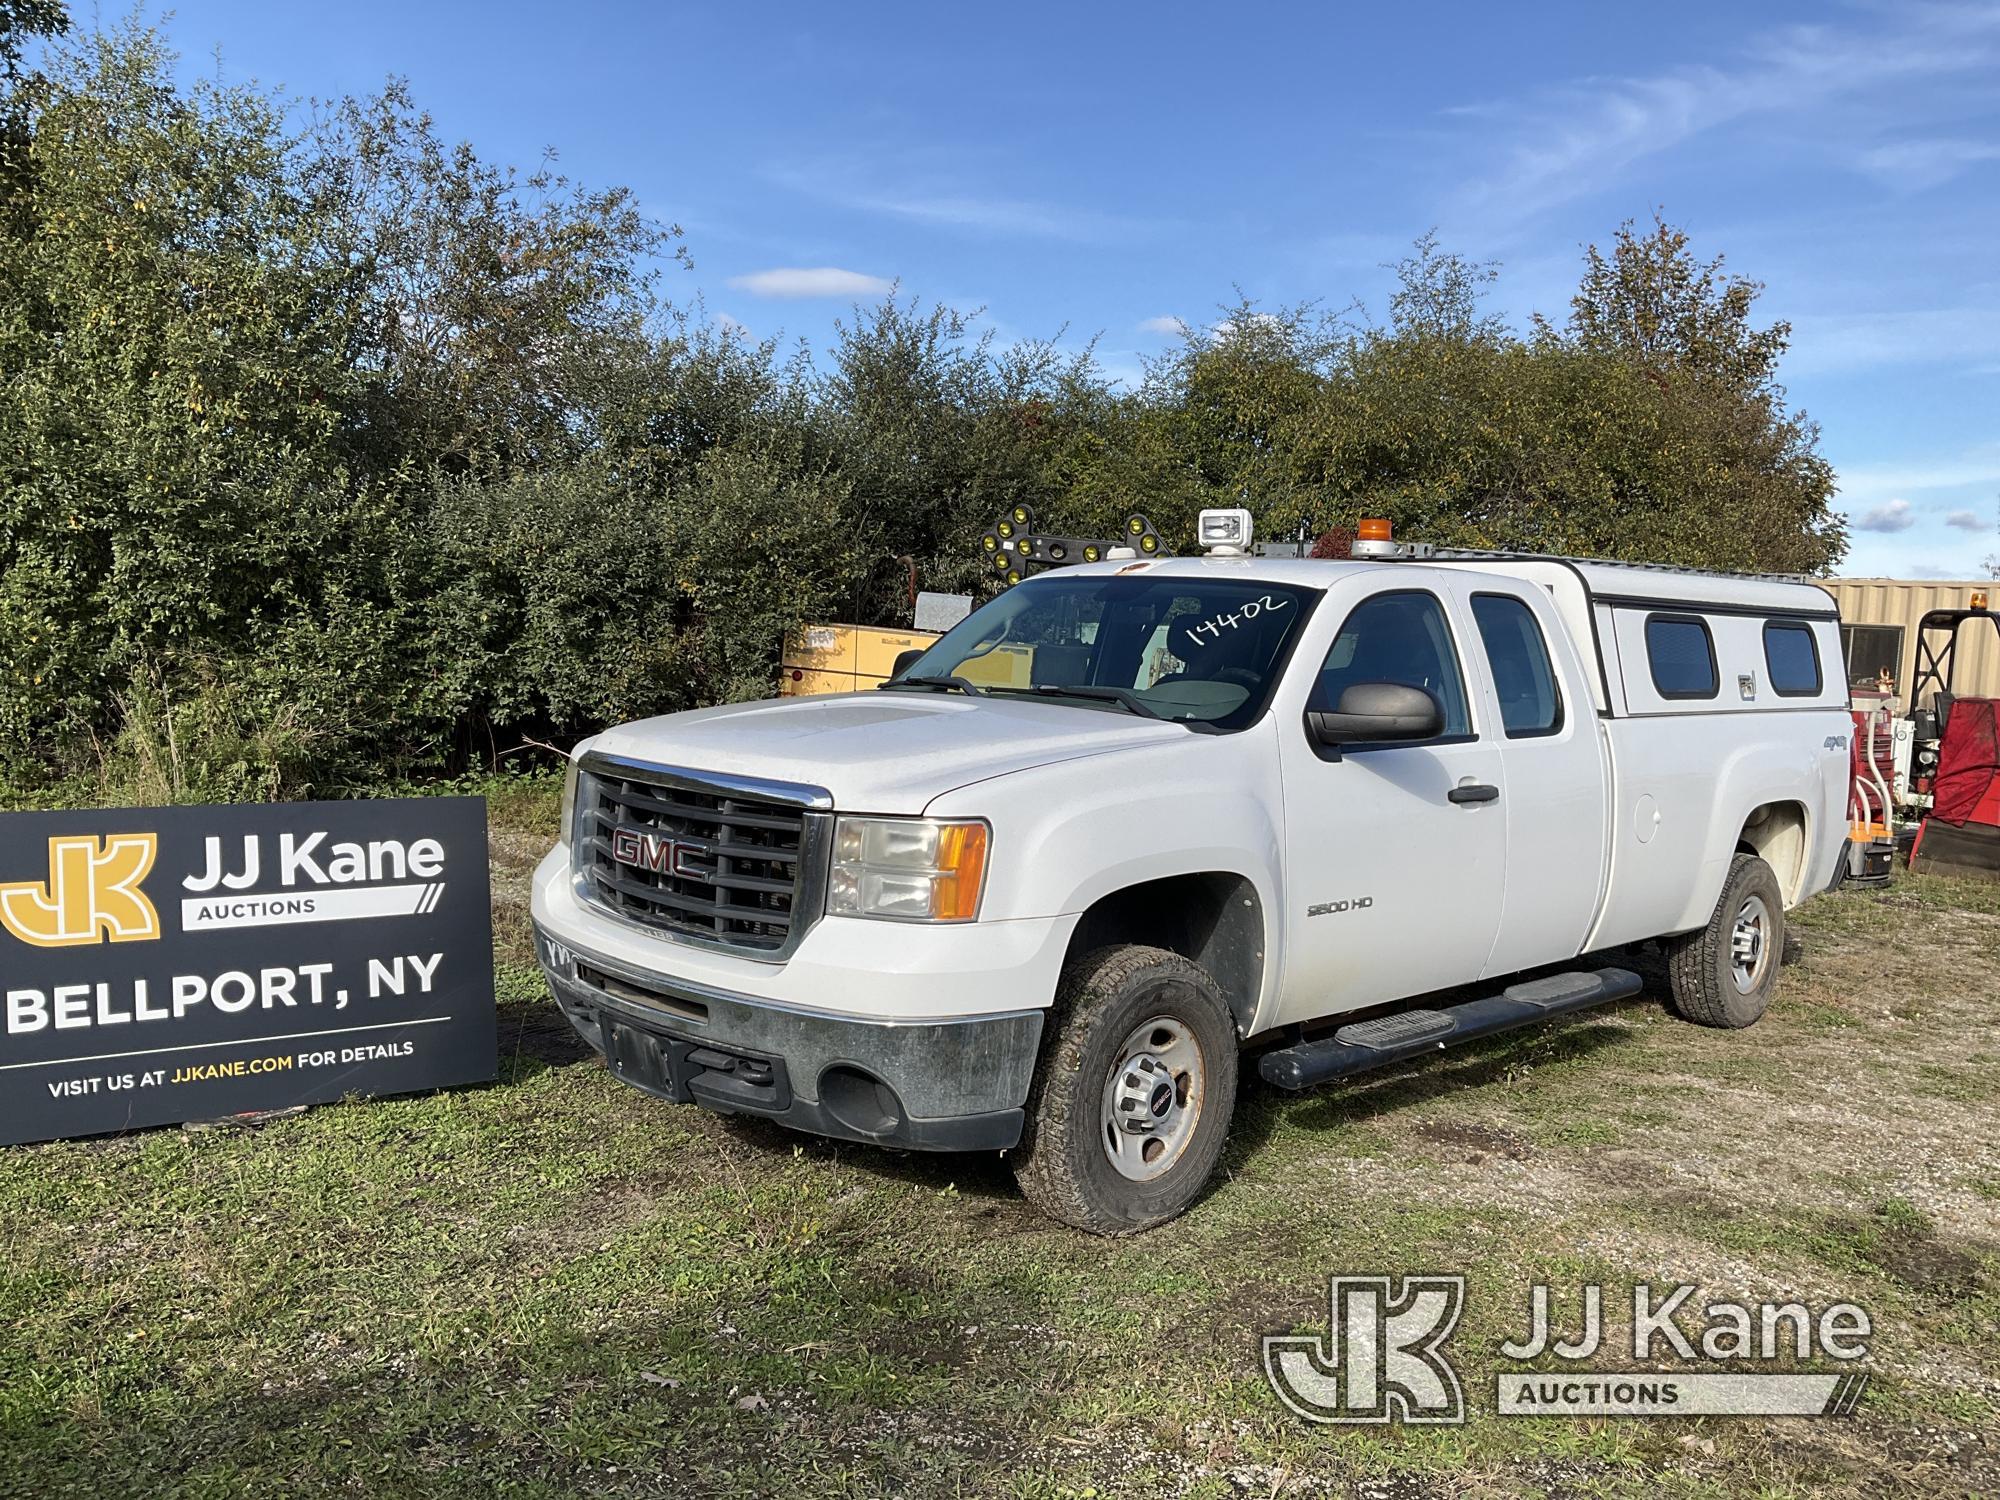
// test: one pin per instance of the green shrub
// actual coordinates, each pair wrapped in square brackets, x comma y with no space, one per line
[336,454]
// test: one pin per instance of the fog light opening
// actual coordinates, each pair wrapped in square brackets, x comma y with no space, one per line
[860,1101]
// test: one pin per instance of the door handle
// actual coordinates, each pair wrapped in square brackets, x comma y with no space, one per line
[1473,791]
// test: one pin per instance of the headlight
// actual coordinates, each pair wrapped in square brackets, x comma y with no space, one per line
[917,869]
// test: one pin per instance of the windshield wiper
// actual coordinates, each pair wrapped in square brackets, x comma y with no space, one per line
[936,682]
[1124,696]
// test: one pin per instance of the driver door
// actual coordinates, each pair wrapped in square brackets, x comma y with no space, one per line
[1394,885]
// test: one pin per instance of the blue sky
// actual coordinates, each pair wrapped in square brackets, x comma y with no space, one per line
[1109,169]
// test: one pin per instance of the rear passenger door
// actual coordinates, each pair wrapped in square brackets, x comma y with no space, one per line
[1395,854]
[1553,776]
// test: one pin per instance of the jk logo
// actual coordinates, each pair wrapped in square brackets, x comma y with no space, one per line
[1383,1359]
[92,894]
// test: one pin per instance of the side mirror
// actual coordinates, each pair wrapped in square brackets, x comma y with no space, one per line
[1376,711]
[904,661]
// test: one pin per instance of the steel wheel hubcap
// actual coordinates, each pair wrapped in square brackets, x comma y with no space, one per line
[1750,944]
[1152,1099]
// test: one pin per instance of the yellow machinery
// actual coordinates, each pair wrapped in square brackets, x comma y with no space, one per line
[844,658]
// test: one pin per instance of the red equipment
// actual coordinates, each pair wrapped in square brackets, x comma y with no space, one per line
[1962,833]
[1871,796]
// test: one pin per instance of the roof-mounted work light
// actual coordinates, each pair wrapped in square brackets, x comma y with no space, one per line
[1224,533]
[1012,545]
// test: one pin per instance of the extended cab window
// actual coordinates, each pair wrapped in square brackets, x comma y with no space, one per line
[1681,655]
[1402,638]
[1522,673]
[1193,649]
[1791,656]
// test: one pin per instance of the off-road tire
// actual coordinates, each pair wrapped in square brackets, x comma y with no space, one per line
[1701,964]
[1061,1164]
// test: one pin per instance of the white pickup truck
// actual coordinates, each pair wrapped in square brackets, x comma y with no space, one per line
[1229,806]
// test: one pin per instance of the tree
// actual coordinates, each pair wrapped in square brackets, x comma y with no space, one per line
[1653,302]
[338,451]
[176,342]
[496,306]
[1220,417]
[1438,294]
[23,20]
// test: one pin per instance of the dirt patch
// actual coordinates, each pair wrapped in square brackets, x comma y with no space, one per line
[1476,1141]
[537,1036]
[925,1343]
[1249,1312]
[512,855]
[1913,1255]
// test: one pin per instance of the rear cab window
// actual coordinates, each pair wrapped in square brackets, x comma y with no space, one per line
[1518,656]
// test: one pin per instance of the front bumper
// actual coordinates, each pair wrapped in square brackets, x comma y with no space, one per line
[928,1085]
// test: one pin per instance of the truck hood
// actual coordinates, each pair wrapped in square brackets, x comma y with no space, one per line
[882,752]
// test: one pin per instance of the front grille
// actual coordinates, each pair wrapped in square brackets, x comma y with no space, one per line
[713,865]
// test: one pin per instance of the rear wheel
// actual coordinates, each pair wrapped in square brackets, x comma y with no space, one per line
[1131,1100]
[1725,973]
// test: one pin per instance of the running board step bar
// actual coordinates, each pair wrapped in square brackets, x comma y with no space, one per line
[1363,1045]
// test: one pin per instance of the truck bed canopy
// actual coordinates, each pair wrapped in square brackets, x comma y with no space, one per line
[1578,585]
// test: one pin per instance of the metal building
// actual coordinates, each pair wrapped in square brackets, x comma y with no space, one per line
[1878,632]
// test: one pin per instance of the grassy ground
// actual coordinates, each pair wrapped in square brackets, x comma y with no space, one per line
[555,1285]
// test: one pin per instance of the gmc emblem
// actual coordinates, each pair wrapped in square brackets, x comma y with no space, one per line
[658,853]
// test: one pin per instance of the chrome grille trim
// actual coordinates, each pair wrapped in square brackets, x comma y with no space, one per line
[755,880]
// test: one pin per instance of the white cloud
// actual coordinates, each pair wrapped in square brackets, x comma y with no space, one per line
[1967,520]
[1976,468]
[732,326]
[1893,516]
[1911,166]
[813,281]
[1171,327]
[1585,137]
[1227,328]
[1830,343]
[1004,215]
[929,195]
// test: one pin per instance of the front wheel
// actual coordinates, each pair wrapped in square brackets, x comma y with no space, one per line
[1724,974]
[1131,1101]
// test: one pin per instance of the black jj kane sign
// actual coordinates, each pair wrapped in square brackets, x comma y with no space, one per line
[182,963]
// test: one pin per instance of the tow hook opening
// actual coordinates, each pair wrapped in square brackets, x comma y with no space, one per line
[860,1101]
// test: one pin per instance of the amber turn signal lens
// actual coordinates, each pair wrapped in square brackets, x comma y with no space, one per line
[962,871]
[1373,529]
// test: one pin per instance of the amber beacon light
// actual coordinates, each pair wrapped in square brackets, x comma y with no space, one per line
[1374,539]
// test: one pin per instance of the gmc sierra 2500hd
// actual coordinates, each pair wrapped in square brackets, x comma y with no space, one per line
[1228,800]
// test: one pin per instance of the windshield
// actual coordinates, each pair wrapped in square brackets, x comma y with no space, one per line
[1195,650]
